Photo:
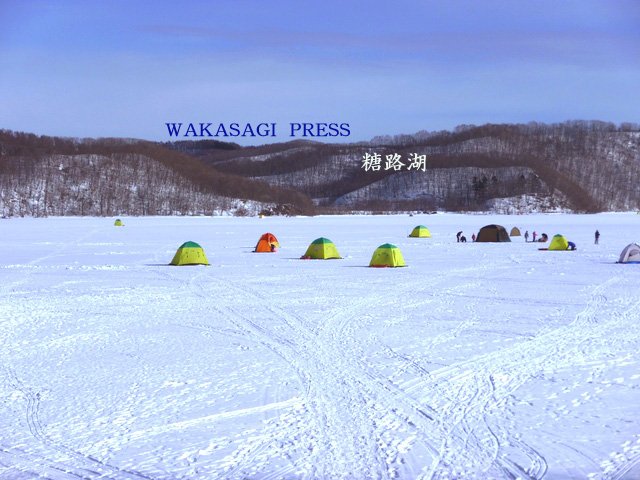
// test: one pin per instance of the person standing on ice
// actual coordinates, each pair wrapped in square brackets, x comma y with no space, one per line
[458,236]
[473,237]
[597,236]
[526,236]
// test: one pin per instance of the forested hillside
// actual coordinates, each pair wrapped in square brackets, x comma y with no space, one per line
[42,176]
[583,166]
[574,166]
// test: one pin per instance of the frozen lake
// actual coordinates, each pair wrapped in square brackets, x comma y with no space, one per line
[477,361]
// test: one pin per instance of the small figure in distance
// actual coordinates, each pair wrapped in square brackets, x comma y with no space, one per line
[597,236]
[572,246]
[473,237]
[458,235]
[526,236]
[534,236]
[463,239]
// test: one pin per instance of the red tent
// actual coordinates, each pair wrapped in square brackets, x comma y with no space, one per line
[267,243]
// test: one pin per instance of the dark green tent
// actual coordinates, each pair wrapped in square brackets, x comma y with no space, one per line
[493,233]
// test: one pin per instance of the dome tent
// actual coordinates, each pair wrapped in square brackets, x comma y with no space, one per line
[387,255]
[515,232]
[493,233]
[420,232]
[118,223]
[322,249]
[190,253]
[558,242]
[267,243]
[630,254]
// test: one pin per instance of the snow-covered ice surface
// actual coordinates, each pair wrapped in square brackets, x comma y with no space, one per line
[478,361]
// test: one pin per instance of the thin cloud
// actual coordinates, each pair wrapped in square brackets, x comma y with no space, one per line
[573,47]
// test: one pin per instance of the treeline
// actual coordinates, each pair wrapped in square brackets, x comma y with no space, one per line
[461,133]
[197,147]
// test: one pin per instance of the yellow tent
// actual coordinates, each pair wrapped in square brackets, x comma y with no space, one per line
[515,232]
[190,253]
[420,232]
[118,223]
[387,255]
[322,248]
[558,242]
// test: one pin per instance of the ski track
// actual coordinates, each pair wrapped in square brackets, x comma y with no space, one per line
[63,462]
[464,431]
[327,390]
[293,340]
[457,413]
[372,401]
[25,466]
[68,460]
[471,412]
[361,405]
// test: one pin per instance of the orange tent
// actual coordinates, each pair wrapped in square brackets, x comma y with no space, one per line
[267,243]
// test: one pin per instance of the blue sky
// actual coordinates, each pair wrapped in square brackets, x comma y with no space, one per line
[124,69]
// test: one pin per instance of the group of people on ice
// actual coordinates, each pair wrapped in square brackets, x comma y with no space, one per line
[543,238]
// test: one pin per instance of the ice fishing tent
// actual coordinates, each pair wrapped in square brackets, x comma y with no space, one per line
[190,253]
[387,255]
[322,248]
[265,243]
[515,232]
[118,223]
[630,254]
[493,233]
[558,242]
[420,232]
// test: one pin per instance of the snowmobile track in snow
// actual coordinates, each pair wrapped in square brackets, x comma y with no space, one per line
[73,463]
[514,366]
[295,340]
[479,361]
[303,355]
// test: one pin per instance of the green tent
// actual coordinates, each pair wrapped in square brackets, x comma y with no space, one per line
[322,248]
[493,233]
[190,253]
[387,255]
[420,232]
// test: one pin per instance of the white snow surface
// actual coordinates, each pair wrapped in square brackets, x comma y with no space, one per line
[477,361]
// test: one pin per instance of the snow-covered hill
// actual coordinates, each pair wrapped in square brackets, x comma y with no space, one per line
[107,185]
[477,361]
[52,176]
[578,166]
